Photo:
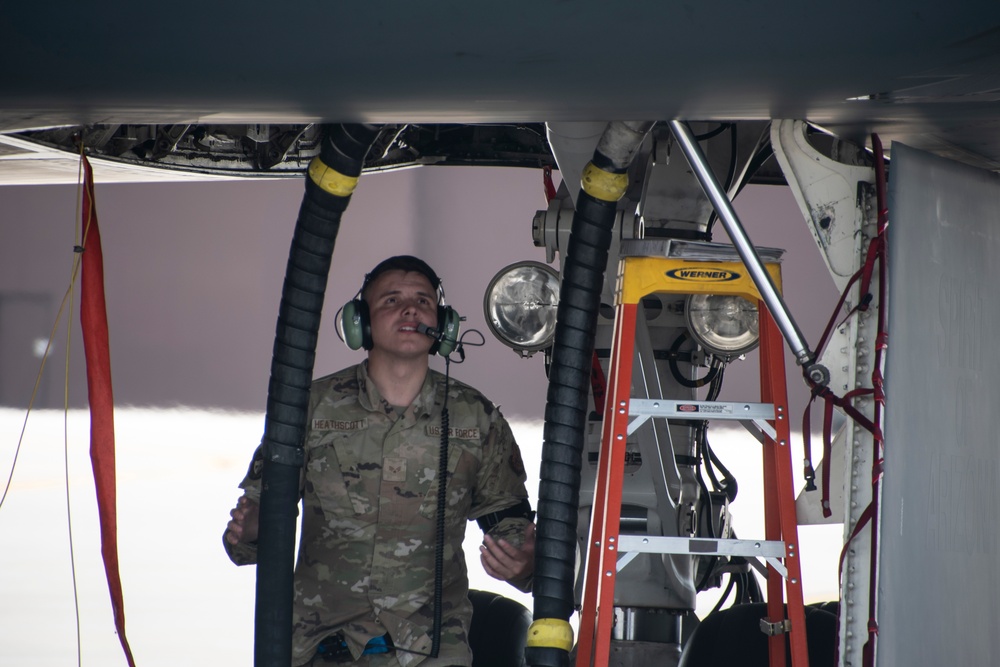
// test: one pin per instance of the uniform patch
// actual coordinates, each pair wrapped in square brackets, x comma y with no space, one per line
[516,464]
[339,424]
[257,464]
[459,433]
[394,470]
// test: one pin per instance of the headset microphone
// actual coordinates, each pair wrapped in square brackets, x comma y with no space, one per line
[427,331]
[444,340]
[355,318]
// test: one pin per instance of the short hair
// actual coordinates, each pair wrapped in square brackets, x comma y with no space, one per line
[407,264]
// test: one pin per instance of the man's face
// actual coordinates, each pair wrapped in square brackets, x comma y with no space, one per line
[397,301]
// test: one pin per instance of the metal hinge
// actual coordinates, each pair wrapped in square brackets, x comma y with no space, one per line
[777,628]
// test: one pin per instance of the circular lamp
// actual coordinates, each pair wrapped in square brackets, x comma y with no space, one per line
[520,306]
[725,325]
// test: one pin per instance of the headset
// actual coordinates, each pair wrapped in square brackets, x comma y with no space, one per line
[355,319]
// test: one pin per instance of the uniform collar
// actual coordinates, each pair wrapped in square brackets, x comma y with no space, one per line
[429,398]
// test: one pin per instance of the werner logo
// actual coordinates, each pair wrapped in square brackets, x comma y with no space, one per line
[706,408]
[705,275]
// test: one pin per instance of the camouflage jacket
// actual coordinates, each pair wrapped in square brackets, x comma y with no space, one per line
[366,556]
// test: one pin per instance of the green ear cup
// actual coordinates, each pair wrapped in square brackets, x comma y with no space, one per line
[449,324]
[355,325]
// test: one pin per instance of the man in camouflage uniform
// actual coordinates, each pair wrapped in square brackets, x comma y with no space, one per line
[365,572]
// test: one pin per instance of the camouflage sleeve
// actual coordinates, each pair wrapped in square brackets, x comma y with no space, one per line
[246,553]
[500,482]
[241,554]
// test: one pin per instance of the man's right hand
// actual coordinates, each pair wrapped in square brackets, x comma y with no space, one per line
[244,524]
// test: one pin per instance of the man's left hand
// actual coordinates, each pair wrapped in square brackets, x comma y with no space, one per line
[506,562]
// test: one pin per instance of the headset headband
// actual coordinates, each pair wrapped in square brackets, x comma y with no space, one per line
[407,264]
[355,320]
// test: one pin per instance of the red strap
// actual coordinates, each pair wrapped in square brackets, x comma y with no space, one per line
[825,338]
[874,253]
[877,250]
[809,471]
[881,343]
[94,320]
[827,448]
[598,383]
[866,516]
[844,403]
[550,189]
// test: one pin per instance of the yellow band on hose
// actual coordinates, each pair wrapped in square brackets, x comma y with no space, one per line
[603,185]
[550,633]
[331,180]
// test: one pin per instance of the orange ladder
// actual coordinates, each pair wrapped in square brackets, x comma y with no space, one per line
[638,277]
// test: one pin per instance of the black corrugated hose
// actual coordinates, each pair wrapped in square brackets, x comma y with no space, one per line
[332,178]
[604,181]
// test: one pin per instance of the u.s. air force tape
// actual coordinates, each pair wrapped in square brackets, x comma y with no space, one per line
[550,633]
[331,180]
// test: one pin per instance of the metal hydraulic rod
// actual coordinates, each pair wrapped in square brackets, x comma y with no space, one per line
[724,208]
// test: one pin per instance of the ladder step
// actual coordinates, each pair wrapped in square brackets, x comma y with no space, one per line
[701,546]
[770,551]
[656,407]
[645,408]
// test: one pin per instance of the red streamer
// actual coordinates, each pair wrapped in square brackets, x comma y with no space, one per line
[94,321]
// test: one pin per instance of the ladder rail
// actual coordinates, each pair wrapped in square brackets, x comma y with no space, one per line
[597,609]
[779,504]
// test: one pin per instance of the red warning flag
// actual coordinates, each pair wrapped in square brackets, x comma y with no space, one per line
[94,320]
